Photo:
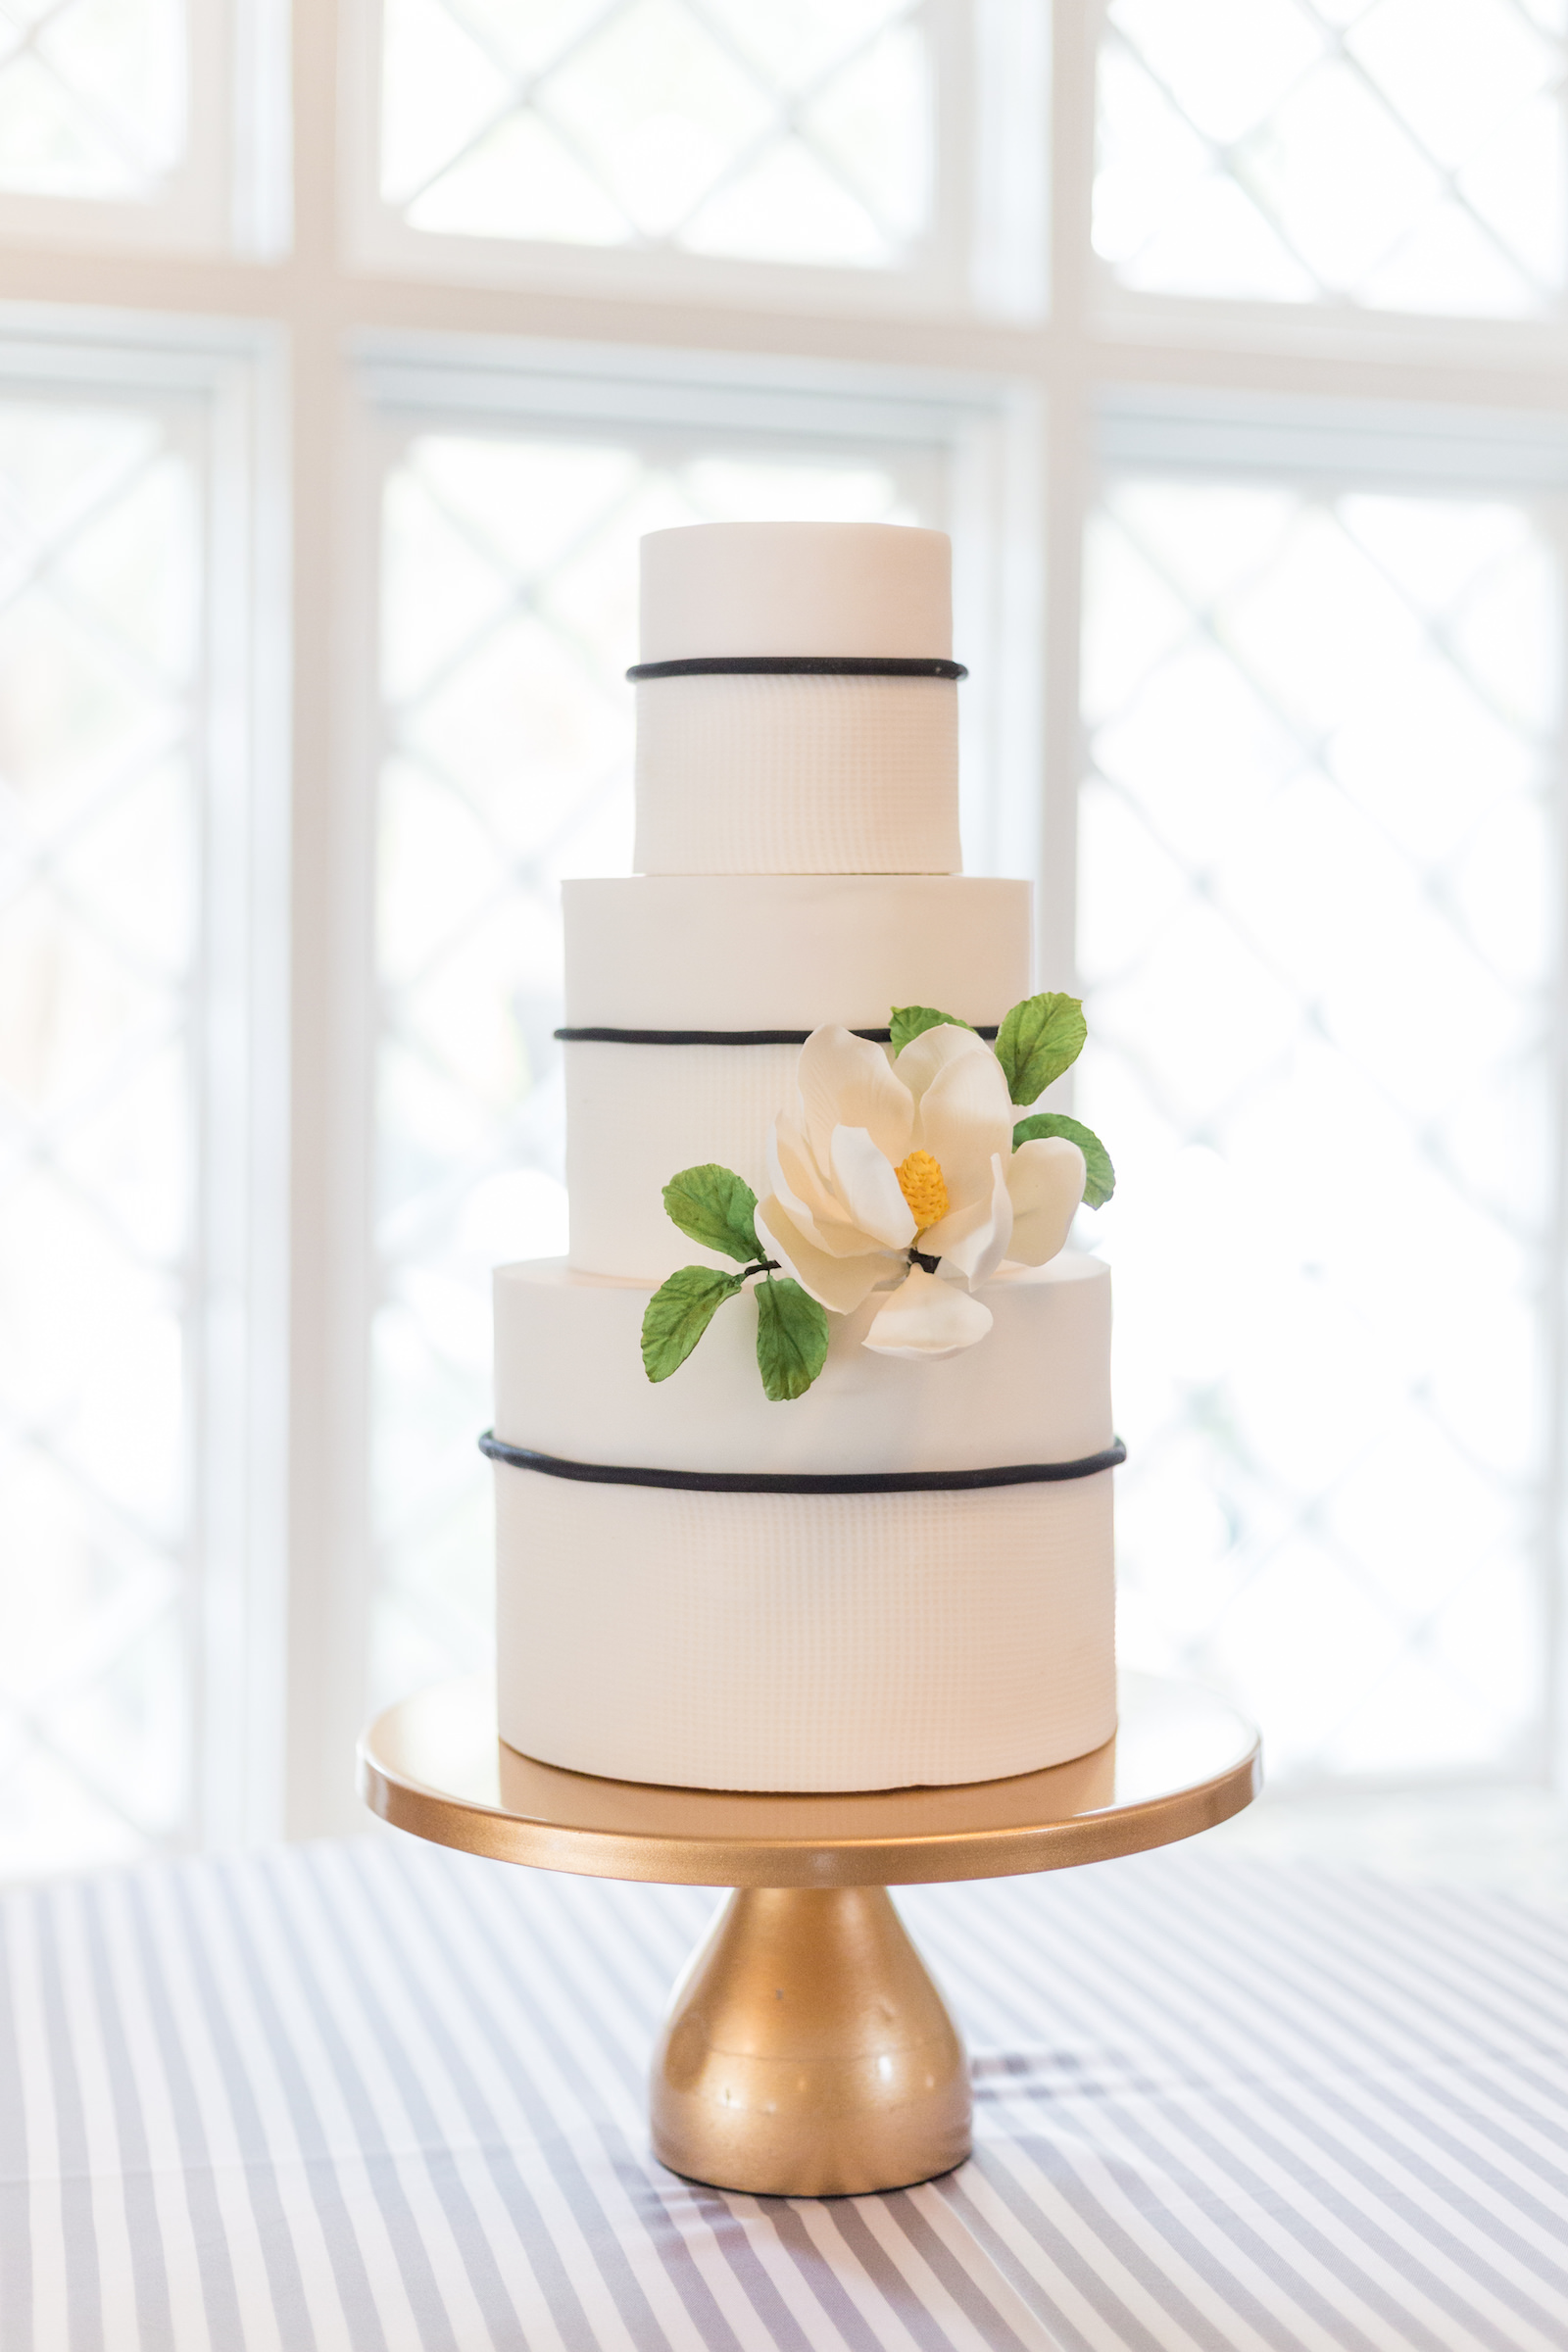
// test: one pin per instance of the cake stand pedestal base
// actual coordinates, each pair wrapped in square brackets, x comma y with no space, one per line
[806,2052]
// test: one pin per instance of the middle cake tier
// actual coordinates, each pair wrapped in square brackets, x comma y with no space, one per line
[570,1382]
[702,989]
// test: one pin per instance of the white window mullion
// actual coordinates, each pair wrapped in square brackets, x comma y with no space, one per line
[241,1340]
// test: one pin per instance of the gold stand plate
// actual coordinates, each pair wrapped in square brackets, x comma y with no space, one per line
[807,2051]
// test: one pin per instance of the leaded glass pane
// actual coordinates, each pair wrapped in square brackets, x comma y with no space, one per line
[1318,937]
[800,132]
[92,96]
[100,575]
[509,618]
[1407,155]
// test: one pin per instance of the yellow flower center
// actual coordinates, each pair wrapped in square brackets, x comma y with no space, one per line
[921,1183]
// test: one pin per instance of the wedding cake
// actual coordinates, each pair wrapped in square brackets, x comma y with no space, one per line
[802,1454]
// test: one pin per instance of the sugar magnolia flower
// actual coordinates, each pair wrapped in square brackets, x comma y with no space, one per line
[886,1161]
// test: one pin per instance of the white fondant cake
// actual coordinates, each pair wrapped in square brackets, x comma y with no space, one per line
[903,1575]
[748,589]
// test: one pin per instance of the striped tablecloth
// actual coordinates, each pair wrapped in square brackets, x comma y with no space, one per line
[376,2097]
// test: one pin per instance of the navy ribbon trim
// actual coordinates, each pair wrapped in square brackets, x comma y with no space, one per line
[849,1481]
[726,1037]
[797,666]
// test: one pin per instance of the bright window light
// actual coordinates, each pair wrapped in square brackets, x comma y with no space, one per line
[92,97]
[1406,155]
[100,660]
[795,132]
[1317,925]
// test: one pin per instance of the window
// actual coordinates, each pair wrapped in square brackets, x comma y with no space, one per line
[857,152]
[1317,929]
[790,135]
[1398,156]
[1225,339]
[135,1065]
[159,123]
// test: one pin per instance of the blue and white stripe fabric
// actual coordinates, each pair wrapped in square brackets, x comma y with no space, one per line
[373,2097]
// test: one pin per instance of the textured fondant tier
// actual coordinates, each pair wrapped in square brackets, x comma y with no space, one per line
[857,589]
[791,951]
[570,1381]
[792,1641]
[797,775]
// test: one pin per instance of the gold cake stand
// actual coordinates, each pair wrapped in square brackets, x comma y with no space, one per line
[805,2051]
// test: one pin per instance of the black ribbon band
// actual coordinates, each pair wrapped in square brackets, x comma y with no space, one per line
[796,665]
[725,1037]
[848,1482]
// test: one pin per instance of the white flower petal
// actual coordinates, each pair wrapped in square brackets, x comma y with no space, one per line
[933,1050]
[812,1208]
[848,1082]
[1046,1179]
[839,1283]
[866,1184]
[964,1118]
[790,1170]
[806,1194]
[977,1237]
[926,1318]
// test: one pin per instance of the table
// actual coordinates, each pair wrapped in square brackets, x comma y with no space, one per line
[378,2096]
[807,2050]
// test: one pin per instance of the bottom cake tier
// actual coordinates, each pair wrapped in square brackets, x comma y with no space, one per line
[804,1642]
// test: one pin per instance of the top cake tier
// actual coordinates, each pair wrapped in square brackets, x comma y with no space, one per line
[797,703]
[865,591]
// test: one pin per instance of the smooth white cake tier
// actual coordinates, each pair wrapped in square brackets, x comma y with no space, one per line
[570,1381]
[793,1642]
[862,589]
[797,775]
[791,951]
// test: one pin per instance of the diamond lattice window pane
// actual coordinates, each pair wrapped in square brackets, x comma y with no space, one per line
[92,96]
[1317,934]
[1403,153]
[100,571]
[801,133]
[509,620]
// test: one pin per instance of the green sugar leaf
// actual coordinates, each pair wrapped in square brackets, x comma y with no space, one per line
[1040,1039]
[679,1312]
[1100,1181]
[910,1022]
[791,1338]
[715,1207]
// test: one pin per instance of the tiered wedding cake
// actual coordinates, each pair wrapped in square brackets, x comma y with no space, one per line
[863,1538]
